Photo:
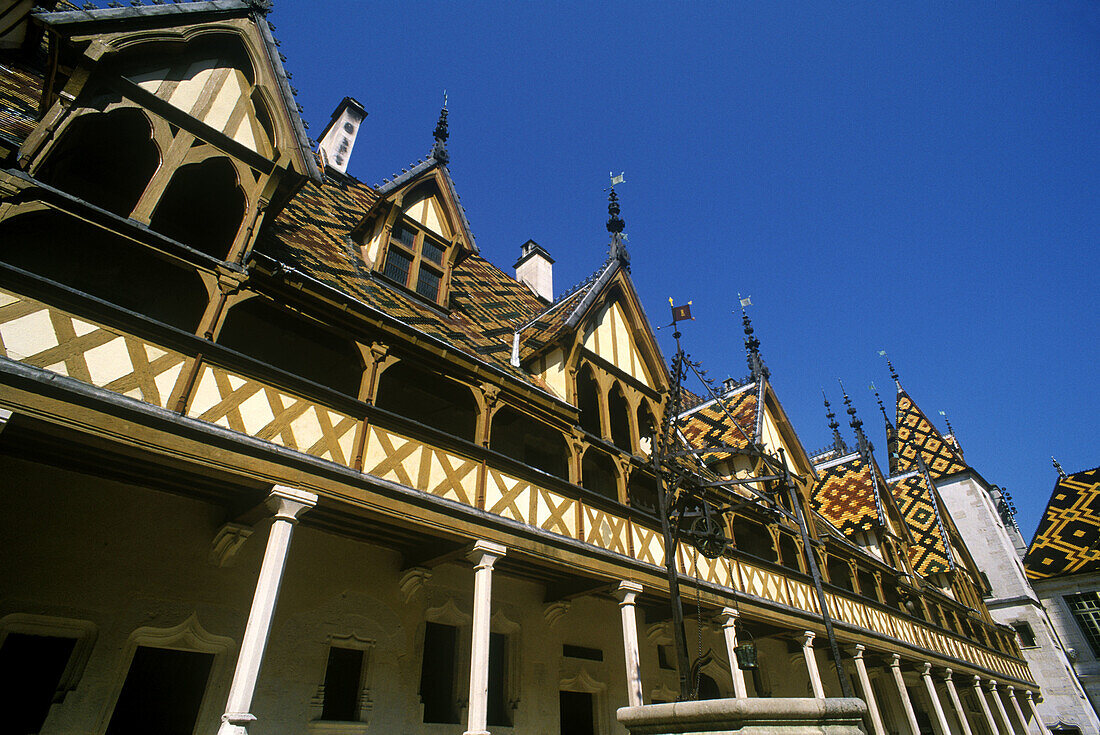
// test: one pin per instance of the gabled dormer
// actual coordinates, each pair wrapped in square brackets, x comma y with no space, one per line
[178,117]
[415,233]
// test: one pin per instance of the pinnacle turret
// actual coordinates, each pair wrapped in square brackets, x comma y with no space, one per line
[441,133]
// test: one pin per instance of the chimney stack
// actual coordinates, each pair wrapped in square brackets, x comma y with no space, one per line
[338,137]
[535,270]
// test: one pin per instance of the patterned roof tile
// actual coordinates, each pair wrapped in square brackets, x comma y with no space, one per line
[928,550]
[1068,538]
[845,494]
[916,433]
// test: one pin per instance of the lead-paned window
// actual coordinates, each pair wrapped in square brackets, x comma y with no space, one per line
[415,259]
[1085,607]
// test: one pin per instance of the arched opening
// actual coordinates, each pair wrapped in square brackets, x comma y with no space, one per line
[753,538]
[97,262]
[202,207]
[642,491]
[840,574]
[283,339]
[588,401]
[647,427]
[619,413]
[598,474]
[529,441]
[106,159]
[428,398]
[867,586]
[788,552]
[708,687]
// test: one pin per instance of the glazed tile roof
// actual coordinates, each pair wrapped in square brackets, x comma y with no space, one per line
[846,494]
[20,88]
[1068,538]
[311,235]
[708,425]
[553,320]
[916,433]
[929,551]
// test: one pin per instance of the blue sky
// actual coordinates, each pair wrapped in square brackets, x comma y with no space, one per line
[922,178]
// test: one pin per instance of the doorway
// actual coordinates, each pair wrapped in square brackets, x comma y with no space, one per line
[162,692]
[578,713]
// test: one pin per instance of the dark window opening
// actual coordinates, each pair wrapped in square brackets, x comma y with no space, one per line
[598,474]
[647,425]
[584,652]
[892,598]
[428,398]
[437,673]
[867,586]
[840,574]
[106,159]
[96,262]
[1024,634]
[642,490]
[343,680]
[751,537]
[588,401]
[619,413]
[31,667]
[202,207]
[427,283]
[398,265]
[497,710]
[285,340]
[666,659]
[577,712]
[788,551]
[162,692]
[530,441]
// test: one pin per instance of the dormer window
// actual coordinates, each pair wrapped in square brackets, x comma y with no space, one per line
[415,258]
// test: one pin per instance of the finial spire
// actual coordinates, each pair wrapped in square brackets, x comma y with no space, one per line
[1058,466]
[891,434]
[838,442]
[893,372]
[752,344]
[615,223]
[439,148]
[856,424]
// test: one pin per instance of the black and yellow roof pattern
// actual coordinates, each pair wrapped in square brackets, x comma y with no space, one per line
[929,551]
[1068,538]
[708,424]
[846,494]
[915,433]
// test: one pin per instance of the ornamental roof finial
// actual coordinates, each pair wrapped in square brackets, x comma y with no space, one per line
[615,223]
[439,148]
[891,434]
[752,344]
[865,447]
[838,442]
[1058,466]
[893,372]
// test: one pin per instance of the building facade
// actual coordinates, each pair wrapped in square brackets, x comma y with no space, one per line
[286,453]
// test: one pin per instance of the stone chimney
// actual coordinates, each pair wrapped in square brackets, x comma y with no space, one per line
[535,269]
[338,137]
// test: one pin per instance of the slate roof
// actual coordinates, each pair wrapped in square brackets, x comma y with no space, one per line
[916,433]
[846,494]
[1068,538]
[929,550]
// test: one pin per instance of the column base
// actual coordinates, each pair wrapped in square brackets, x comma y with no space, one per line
[477,732]
[236,723]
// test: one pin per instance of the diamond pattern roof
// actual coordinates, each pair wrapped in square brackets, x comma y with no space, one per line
[1068,538]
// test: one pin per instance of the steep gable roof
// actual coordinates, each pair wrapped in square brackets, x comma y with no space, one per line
[847,494]
[1068,538]
[929,550]
[915,433]
[708,424]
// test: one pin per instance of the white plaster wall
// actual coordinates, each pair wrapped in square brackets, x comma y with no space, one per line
[1053,592]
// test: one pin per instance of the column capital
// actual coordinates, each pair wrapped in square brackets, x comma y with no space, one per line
[485,553]
[991,685]
[895,661]
[627,592]
[1010,689]
[926,669]
[947,674]
[807,638]
[288,503]
[857,650]
[727,616]
[1027,695]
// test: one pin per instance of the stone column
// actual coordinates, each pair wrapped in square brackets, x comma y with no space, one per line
[287,504]
[807,639]
[953,695]
[903,693]
[1020,719]
[1035,712]
[484,554]
[627,593]
[728,618]
[868,692]
[940,719]
[979,692]
[999,708]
